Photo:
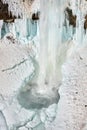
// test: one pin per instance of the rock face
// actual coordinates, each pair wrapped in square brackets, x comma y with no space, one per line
[7,15]
[19,8]
[72,18]
[4,13]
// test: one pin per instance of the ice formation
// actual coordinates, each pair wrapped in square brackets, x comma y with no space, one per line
[22,7]
[43,89]
[19,6]
[40,48]
[3,124]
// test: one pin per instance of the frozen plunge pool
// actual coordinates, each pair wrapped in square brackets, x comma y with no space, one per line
[33,98]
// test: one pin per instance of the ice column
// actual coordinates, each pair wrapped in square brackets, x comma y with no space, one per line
[79,25]
[77,7]
[51,27]
[3,124]
[42,89]
[25,29]
[1,24]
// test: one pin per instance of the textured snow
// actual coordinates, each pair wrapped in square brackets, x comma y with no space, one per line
[71,111]
[14,57]
[72,107]
[15,67]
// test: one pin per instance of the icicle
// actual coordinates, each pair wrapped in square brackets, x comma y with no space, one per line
[51,27]
[44,84]
[3,123]
[1,24]
[79,8]
[25,29]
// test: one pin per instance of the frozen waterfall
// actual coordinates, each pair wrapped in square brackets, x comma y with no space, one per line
[55,33]
[42,90]
[22,29]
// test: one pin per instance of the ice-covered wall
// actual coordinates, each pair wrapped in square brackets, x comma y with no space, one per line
[79,8]
[29,85]
[22,7]
[22,29]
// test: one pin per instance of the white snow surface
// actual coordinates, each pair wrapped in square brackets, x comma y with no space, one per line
[72,107]
[71,111]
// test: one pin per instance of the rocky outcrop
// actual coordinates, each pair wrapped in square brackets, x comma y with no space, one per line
[5,14]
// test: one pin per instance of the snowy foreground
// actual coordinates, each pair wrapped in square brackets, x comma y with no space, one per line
[71,111]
